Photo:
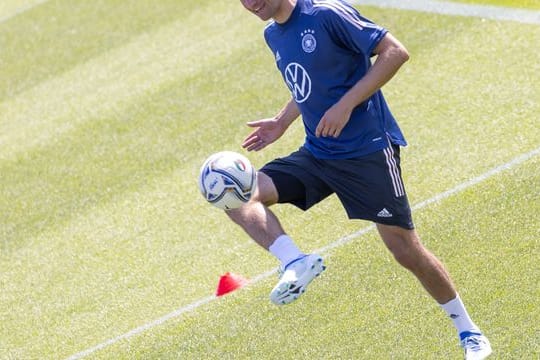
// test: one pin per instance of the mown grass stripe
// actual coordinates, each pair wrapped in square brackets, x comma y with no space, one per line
[21,10]
[60,104]
[451,8]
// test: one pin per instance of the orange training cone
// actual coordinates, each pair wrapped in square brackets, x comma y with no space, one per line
[230,282]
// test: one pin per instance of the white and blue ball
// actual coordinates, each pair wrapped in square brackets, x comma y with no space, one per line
[227,180]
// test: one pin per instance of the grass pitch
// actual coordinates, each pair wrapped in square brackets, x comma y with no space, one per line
[107,110]
[527,4]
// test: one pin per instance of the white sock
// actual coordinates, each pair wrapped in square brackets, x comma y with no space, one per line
[457,312]
[285,250]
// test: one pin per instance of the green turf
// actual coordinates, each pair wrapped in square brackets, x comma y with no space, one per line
[527,4]
[366,307]
[106,116]
[56,38]
[10,8]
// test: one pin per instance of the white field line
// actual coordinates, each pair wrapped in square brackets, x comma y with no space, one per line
[338,243]
[433,6]
[21,10]
[144,327]
[451,8]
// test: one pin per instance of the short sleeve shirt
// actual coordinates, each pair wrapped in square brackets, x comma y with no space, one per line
[322,50]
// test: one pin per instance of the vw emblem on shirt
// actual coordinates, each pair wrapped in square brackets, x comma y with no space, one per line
[298,81]
[308,40]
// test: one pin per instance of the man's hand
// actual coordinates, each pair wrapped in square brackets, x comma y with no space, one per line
[333,121]
[266,132]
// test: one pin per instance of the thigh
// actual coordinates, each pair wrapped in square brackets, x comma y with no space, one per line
[266,191]
[297,179]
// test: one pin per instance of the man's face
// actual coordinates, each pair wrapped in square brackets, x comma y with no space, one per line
[264,9]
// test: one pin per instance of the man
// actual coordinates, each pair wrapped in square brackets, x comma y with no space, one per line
[323,48]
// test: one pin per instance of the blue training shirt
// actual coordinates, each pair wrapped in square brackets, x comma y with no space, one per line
[322,51]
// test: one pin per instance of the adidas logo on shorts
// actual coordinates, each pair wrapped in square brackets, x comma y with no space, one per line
[384,213]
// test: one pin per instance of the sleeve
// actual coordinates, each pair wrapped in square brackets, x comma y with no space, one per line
[267,34]
[351,30]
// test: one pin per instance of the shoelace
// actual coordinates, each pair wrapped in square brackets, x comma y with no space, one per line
[473,343]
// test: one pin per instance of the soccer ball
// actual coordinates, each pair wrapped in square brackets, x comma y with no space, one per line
[227,180]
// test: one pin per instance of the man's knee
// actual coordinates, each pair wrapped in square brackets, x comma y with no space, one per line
[403,244]
[407,256]
[266,191]
[265,194]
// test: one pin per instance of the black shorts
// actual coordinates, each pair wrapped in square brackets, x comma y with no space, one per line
[369,187]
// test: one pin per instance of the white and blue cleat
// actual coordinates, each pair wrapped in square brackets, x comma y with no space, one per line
[295,278]
[476,346]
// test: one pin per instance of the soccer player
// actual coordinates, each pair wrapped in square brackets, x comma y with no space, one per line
[324,51]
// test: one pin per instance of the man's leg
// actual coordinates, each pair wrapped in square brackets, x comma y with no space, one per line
[258,221]
[261,224]
[407,249]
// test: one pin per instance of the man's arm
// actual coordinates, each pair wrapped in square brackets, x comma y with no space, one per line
[269,130]
[391,54]
[288,114]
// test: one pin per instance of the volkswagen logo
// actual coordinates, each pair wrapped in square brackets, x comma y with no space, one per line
[298,81]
